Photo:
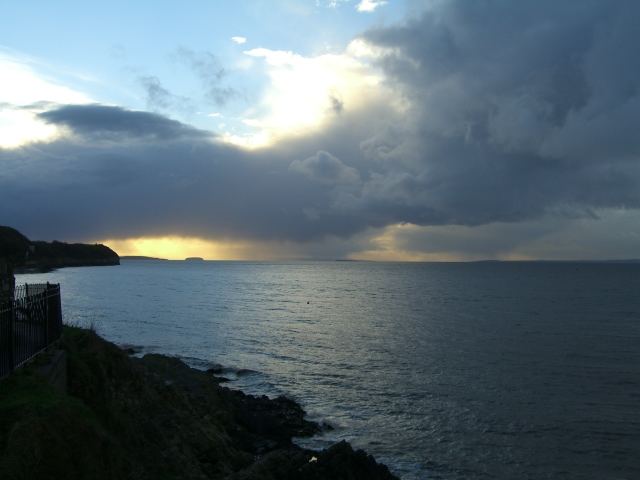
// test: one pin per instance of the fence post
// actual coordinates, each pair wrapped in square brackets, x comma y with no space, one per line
[12,339]
[47,319]
[59,310]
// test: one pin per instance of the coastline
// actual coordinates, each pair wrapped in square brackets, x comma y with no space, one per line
[156,417]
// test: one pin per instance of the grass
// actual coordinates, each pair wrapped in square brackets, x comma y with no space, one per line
[46,433]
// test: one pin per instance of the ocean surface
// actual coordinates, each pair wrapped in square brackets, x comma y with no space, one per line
[441,371]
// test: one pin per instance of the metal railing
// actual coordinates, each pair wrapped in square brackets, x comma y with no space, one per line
[28,324]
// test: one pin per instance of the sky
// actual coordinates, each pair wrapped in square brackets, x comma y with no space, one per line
[434,130]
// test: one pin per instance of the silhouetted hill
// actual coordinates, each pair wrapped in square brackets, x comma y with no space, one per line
[59,254]
[38,255]
[13,244]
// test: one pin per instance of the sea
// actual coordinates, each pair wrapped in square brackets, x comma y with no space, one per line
[488,370]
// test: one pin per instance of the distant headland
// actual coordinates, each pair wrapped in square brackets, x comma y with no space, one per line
[26,255]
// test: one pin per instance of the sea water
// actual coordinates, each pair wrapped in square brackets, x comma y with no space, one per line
[441,371]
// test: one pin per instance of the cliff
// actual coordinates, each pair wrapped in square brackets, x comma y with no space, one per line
[155,418]
[49,255]
[37,255]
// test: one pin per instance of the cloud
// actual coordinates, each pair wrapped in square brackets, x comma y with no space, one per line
[477,126]
[158,97]
[613,234]
[24,91]
[19,126]
[120,173]
[93,122]
[239,40]
[209,71]
[325,168]
[369,5]
[23,82]
[306,93]
[517,110]
[330,3]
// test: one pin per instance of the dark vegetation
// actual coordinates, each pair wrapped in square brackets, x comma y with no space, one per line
[59,254]
[13,245]
[155,418]
[41,256]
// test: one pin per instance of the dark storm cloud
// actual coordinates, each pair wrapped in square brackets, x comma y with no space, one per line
[324,167]
[515,111]
[100,121]
[125,173]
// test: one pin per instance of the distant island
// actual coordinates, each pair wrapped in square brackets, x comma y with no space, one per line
[194,259]
[26,255]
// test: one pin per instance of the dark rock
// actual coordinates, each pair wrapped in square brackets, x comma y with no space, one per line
[279,419]
[326,427]
[131,349]
[215,369]
[339,462]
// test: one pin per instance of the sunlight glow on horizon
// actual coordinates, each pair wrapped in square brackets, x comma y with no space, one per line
[169,247]
[385,247]
[174,247]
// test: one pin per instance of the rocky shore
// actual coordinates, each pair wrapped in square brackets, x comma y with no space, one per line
[156,418]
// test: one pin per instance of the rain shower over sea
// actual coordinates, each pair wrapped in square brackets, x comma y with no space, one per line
[440,370]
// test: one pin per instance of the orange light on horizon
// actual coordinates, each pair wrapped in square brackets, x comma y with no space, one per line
[169,247]
[173,247]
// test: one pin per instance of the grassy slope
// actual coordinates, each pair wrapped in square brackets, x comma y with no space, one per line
[153,419]
[114,424]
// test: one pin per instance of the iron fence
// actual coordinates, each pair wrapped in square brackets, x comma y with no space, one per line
[28,324]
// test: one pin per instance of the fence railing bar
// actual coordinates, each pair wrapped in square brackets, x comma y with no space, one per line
[29,323]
